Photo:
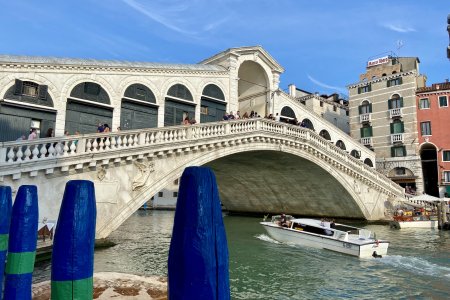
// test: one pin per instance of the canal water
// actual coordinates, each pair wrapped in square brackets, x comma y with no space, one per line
[417,267]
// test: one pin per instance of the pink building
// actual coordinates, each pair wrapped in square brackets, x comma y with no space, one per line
[433,125]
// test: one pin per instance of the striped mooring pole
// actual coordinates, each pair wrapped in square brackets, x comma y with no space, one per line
[22,244]
[198,254]
[5,219]
[73,243]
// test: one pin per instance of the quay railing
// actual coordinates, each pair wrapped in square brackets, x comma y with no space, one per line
[15,153]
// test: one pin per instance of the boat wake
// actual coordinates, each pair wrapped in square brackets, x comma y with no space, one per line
[266,238]
[416,265]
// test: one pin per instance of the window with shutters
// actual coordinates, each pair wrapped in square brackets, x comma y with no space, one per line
[397,127]
[443,101]
[424,103]
[425,128]
[364,89]
[30,89]
[395,102]
[399,151]
[365,107]
[446,155]
[366,131]
[394,82]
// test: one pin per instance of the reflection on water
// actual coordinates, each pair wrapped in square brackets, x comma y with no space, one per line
[417,267]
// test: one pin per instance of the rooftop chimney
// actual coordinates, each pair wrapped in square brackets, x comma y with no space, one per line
[292,89]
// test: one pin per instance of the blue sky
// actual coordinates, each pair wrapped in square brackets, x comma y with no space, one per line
[323,45]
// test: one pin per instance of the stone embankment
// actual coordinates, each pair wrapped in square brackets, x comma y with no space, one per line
[108,285]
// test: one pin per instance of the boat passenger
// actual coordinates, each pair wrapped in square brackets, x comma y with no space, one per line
[283,221]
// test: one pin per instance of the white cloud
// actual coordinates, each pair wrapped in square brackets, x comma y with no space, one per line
[398,28]
[326,86]
[187,19]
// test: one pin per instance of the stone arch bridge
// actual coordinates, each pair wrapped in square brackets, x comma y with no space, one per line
[261,166]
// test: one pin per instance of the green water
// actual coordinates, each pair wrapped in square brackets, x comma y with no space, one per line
[417,265]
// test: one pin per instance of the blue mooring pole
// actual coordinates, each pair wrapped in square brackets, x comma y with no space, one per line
[22,244]
[198,254]
[5,219]
[73,243]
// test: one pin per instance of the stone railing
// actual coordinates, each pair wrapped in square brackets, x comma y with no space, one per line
[55,152]
[366,141]
[395,112]
[396,138]
[364,118]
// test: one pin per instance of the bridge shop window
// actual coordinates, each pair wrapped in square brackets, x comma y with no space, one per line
[213,105]
[30,90]
[398,151]
[138,109]
[394,82]
[178,105]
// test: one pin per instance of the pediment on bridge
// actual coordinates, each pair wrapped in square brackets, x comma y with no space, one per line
[257,52]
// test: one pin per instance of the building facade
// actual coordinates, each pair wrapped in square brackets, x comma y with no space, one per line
[332,107]
[433,119]
[383,117]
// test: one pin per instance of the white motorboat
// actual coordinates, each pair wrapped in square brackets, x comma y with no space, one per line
[325,235]
[400,222]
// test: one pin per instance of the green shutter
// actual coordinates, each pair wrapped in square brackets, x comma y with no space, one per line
[42,92]
[388,83]
[392,127]
[390,104]
[400,80]
[402,127]
[370,107]
[370,87]
[361,132]
[370,131]
[360,109]
[404,150]
[401,101]
[359,90]
[18,87]
[392,152]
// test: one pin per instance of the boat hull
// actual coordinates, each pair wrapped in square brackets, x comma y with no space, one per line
[413,224]
[291,236]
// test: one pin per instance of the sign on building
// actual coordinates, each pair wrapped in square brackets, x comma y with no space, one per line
[378,61]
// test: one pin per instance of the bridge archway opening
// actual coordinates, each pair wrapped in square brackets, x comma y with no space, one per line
[17,116]
[428,157]
[87,107]
[213,105]
[138,109]
[178,105]
[287,115]
[368,162]
[274,182]
[341,145]
[356,154]
[308,124]
[325,134]
[253,88]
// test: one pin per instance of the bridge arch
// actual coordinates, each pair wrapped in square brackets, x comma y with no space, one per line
[325,134]
[347,185]
[307,123]
[356,154]
[287,114]
[368,162]
[341,144]
[253,86]
[138,109]
[179,104]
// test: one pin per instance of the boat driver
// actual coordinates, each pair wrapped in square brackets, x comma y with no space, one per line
[283,221]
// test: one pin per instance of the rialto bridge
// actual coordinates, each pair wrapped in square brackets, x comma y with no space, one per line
[261,165]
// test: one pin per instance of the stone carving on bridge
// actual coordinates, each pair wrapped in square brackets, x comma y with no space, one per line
[144,172]
[101,173]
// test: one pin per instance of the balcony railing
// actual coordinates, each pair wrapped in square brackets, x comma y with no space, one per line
[396,138]
[366,141]
[395,112]
[364,118]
